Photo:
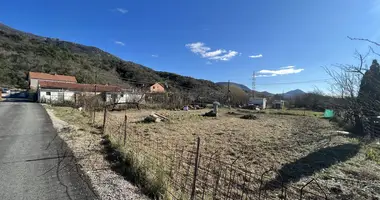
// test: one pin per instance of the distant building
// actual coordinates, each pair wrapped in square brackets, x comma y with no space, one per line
[157,88]
[260,102]
[35,77]
[278,104]
[52,92]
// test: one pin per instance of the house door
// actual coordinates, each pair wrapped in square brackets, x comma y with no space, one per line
[61,97]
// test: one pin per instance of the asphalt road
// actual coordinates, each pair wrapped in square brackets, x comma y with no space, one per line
[34,162]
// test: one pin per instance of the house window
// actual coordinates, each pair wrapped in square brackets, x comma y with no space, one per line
[122,95]
[154,87]
[48,93]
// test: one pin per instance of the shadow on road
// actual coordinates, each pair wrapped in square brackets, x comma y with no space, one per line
[17,100]
[312,163]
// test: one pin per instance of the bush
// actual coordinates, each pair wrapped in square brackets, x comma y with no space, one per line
[373,154]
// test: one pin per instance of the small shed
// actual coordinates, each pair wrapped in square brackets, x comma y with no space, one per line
[278,104]
[260,102]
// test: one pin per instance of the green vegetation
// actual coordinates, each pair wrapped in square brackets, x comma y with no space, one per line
[23,52]
[141,170]
[369,92]
[294,112]
[373,153]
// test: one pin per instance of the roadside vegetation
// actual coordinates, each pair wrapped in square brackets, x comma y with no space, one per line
[299,147]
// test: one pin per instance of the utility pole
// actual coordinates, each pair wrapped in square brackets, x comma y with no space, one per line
[228,94]
[253,84]
[95,100]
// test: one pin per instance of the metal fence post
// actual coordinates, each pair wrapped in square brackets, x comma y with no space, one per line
[195,170]
[104,119]
[93,117]
[125,129]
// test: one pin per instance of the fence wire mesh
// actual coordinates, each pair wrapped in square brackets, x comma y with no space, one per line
[185,177]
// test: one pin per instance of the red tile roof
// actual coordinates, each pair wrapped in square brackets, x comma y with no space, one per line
[79,87]
[44,76]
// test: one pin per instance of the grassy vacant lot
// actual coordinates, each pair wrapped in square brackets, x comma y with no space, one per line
[300,148]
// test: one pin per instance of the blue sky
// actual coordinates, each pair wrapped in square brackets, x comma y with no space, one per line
[218,40]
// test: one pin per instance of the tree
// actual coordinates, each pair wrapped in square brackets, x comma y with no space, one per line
[357,87]
[369,93]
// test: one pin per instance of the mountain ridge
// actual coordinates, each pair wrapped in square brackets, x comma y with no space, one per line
[289,94]
[21,52]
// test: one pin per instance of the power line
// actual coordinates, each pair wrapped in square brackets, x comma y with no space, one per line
[296,82]
[253,84]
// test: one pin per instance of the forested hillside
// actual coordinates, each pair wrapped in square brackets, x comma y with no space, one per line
[22,52]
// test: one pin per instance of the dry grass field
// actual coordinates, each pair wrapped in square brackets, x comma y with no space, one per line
[269,141]
[298,148]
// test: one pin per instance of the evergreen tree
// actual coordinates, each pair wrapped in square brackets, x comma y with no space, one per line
[369,92]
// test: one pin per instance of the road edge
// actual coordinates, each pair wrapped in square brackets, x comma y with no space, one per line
[61,127]
[105,183]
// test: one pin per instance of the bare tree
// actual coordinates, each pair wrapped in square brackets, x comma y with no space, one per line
[347,85]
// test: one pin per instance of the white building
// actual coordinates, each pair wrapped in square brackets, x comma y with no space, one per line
[58,92]
[261,102]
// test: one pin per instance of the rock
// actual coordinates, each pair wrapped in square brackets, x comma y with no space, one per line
[250,116]
[337,189]
[209,114]
[154,118]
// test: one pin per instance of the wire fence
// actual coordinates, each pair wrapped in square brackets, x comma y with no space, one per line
[371,126]
[187,172]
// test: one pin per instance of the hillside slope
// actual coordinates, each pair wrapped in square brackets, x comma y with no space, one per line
[22,52]
[243,87]
[294,93]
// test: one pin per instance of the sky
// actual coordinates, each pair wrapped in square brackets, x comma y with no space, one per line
[287,43]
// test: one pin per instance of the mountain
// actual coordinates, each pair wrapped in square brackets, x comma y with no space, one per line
[294,93]
[21,52]
[267,93]
[243,87]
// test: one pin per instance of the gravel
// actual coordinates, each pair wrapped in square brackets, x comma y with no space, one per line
[88,153]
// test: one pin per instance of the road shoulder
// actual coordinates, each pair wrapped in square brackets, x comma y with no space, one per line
[87,149]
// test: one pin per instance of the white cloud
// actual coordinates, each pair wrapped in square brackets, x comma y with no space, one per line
[263,75]
[256,56]
[155,56]
[287,67]
[225,57]
[119,43]
[282,71]
[205,52]
[213,53]
[121,10]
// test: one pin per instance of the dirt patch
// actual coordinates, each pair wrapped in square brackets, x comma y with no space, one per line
[250,116]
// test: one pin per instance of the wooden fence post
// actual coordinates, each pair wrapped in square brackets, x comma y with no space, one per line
[195,170]
[125,129]
[104,119]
